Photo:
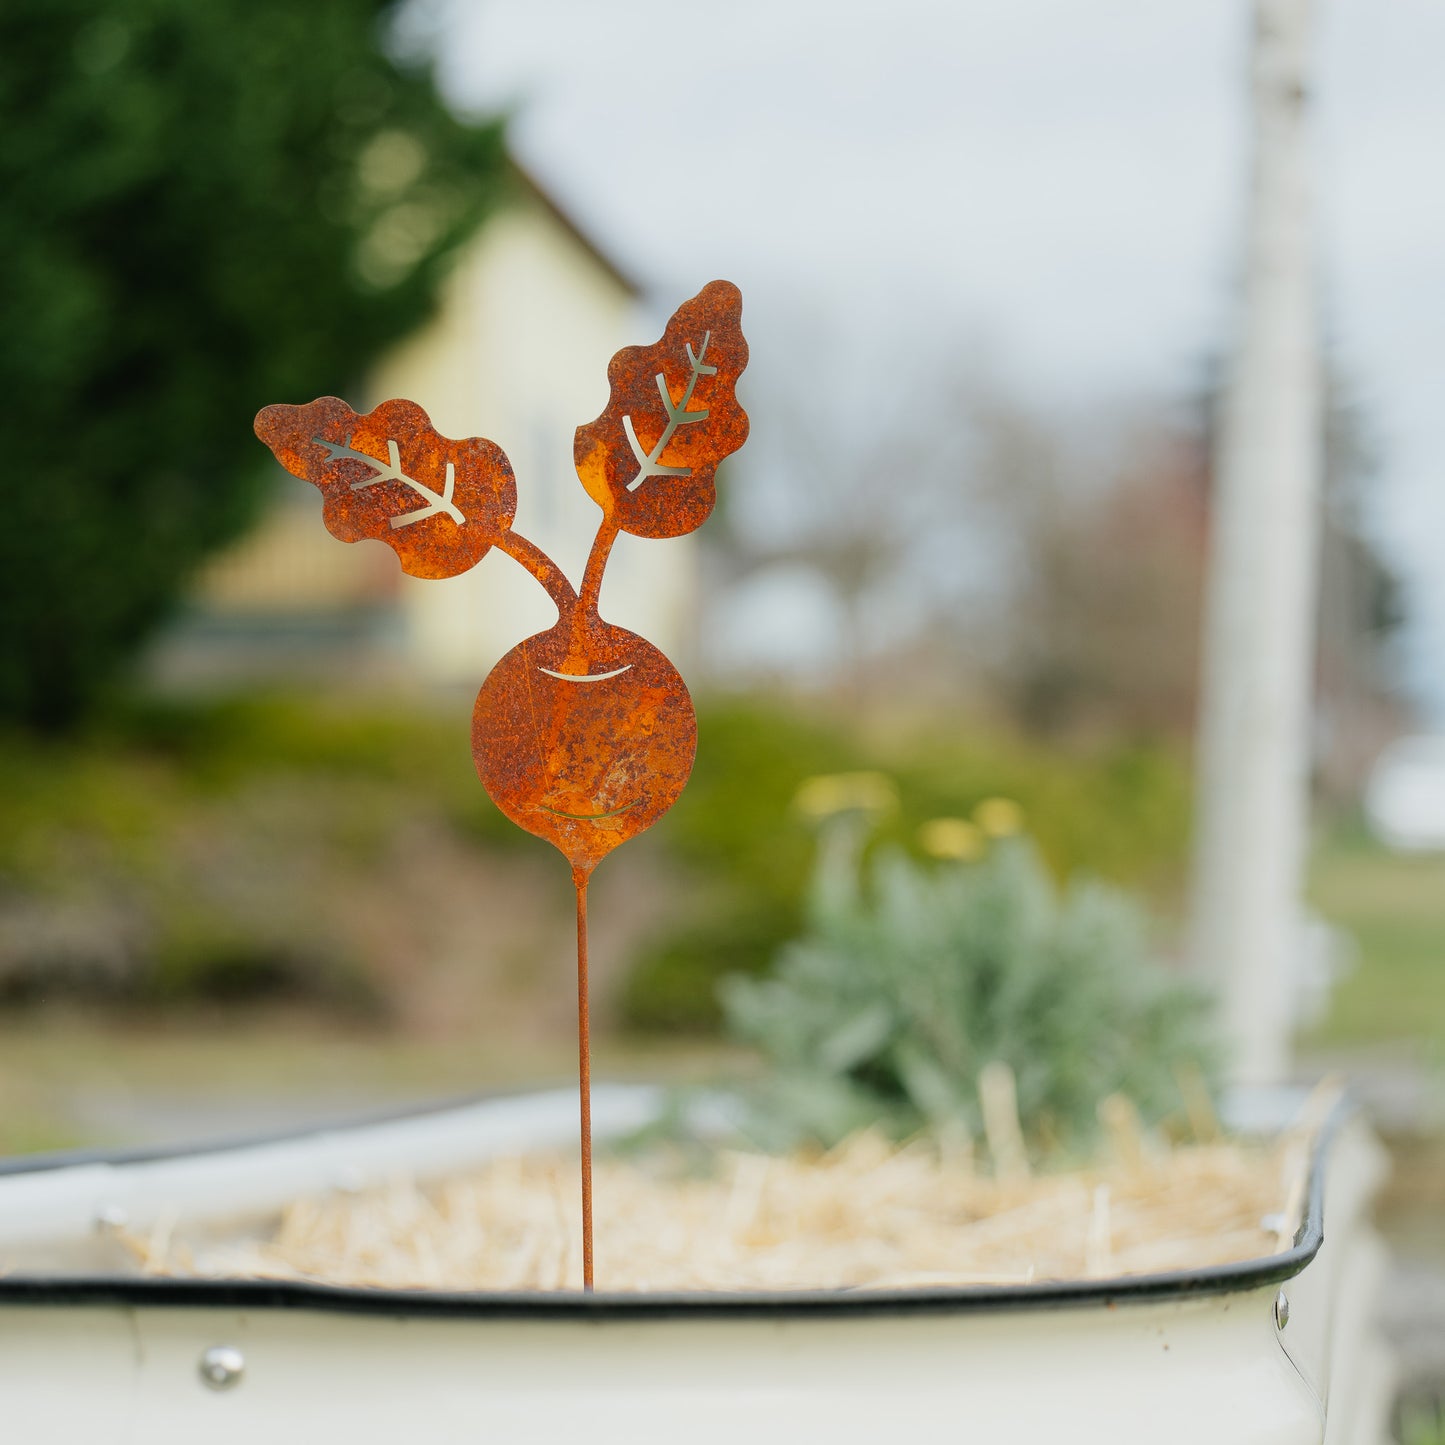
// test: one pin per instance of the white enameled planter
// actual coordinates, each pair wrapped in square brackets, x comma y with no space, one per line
[1278,1351]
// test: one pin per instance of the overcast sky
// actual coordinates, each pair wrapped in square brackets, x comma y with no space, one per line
[1060,179]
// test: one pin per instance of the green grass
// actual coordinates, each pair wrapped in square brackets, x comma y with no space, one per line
[1393,907]
[1421,1419]
[54,1067]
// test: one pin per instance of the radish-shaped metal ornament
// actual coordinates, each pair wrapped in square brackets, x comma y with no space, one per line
[584,734]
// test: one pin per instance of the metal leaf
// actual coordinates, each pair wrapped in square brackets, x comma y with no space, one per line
[649,460]
[389,475]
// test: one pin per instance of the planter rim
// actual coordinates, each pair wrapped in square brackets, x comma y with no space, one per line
[269,1294]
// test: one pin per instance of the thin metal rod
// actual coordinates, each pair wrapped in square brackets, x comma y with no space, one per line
[584,1074]
[596,564]
[542,567]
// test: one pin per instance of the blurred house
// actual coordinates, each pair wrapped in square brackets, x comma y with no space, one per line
[517,351]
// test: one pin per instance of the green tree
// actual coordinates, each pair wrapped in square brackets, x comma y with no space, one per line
[208,207]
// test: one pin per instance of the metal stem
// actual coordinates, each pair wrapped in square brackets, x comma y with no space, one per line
[584,1074]
[596,564]
[542,567]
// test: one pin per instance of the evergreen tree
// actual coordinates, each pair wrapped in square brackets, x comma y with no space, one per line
[208,207]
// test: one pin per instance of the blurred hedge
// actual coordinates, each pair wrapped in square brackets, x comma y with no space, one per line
[173,853]
[194,850]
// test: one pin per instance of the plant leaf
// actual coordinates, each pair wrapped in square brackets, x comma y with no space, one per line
[389,475]
[857,1038]
[649,460]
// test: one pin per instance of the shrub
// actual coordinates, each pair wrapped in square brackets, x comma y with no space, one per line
[905,984]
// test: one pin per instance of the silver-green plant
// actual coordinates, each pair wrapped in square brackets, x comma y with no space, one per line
[909,979]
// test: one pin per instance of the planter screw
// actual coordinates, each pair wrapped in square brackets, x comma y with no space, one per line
[1281,1309]
[110,1217]
[350,1180]
[221,1367]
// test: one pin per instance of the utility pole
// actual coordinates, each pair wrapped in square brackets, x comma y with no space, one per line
[1255,707]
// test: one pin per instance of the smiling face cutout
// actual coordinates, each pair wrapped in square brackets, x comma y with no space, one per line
[585,736]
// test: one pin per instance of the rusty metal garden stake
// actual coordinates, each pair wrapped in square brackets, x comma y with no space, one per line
[584,1073]
[583,734]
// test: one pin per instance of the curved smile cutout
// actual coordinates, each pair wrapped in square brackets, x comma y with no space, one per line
[587,676]
[593,817]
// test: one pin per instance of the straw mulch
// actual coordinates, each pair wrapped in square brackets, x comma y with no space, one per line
[867,1215]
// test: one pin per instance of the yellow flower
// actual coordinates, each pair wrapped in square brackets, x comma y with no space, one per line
[829,793]
[951,838]
[999,817]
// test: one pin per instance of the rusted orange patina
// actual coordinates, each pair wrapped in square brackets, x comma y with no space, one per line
[584,734]
[391,476]
[650,459]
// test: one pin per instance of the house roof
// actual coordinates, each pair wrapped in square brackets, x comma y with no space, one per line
[530,187]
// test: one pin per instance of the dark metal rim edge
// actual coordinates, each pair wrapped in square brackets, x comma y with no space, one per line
[252,1294]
